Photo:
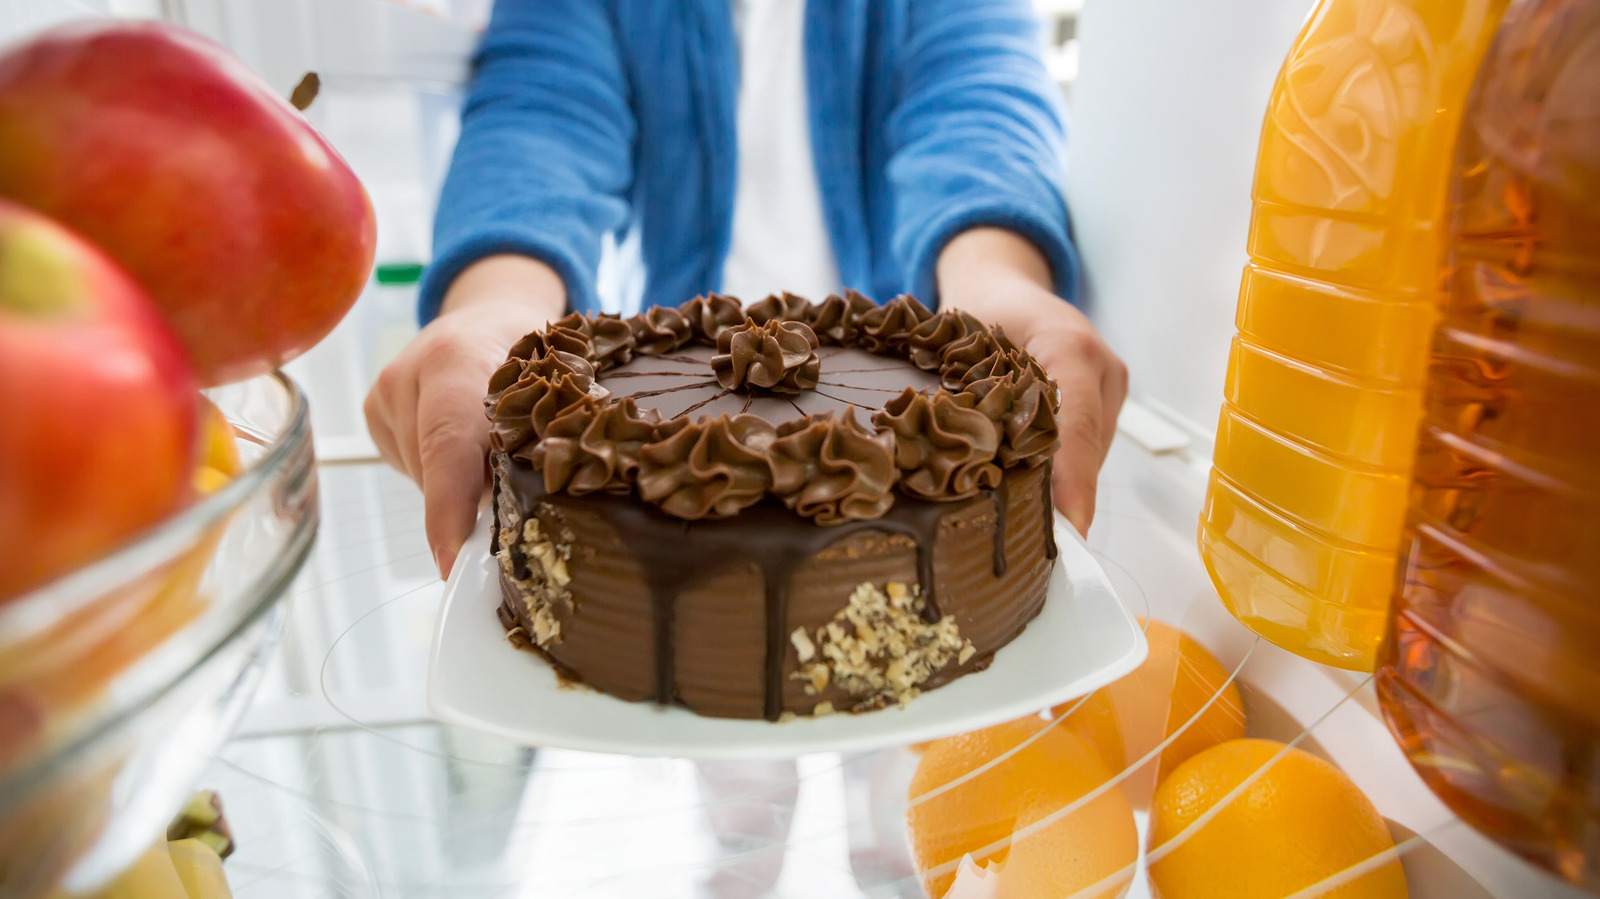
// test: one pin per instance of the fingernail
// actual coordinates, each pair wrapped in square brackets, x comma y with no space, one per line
[442,561]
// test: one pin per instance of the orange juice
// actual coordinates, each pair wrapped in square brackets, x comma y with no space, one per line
[1490,677]
[1323,394]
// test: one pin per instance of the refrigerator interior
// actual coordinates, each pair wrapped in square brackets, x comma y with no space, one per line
[338,782]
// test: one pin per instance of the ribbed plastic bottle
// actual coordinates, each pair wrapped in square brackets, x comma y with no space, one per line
[1490,676]
[1323,393]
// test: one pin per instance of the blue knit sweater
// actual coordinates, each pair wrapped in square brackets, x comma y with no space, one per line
[589,117]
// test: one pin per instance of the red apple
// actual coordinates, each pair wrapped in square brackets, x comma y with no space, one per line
[246,227]
[98,404]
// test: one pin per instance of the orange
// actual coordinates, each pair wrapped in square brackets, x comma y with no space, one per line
[1066,857]
[1299,823]
[983,814]
[1163,696]
[1095,720]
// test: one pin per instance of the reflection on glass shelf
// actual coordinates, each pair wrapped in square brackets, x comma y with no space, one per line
[428,811]
[341,785]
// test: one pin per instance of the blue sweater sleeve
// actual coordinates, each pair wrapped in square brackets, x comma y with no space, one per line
[544,161]
[977,137]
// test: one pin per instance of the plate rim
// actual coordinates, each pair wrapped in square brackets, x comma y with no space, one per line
[447,713]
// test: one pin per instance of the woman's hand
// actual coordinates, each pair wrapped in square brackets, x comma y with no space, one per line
[1002,279]
[425,412]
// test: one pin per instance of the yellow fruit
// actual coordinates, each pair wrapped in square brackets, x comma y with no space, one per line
[208,480]
[219,453]
[200,869]
[1130,717]
[151,877]
[982,814]
[1299,823]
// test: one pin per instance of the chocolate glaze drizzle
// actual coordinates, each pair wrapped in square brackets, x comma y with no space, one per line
[768,534]
[1049,510]
[998,499]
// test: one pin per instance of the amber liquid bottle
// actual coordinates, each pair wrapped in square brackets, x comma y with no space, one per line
[1324,390]
[1490,673]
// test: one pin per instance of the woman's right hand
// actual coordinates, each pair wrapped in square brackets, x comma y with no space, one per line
[425,412]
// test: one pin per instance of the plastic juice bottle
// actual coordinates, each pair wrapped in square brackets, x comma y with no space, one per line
[1490,676]
[1323,393]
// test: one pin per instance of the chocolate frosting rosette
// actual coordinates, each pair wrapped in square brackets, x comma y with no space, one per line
[993,407]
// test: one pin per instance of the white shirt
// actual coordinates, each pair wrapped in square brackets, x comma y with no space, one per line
[780,241]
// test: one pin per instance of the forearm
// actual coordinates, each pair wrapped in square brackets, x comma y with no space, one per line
[980,270]
[977,140]
[545,157]
[512,294]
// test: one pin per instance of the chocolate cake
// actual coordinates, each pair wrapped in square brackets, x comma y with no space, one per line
[790,509]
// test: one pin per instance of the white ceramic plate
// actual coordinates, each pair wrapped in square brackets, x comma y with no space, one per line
[1084,638]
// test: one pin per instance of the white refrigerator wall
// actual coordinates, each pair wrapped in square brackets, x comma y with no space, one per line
[1166,115]
[420,42]
[20,18]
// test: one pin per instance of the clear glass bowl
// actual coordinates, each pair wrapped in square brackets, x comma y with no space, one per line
[119,681]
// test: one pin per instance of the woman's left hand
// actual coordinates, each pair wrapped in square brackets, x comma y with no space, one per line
[1002,279]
